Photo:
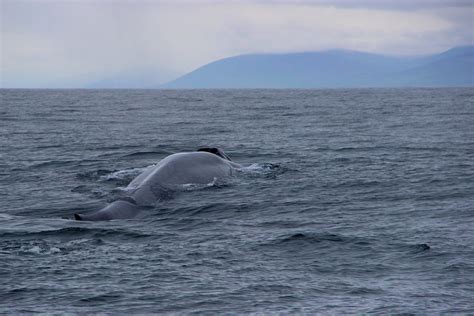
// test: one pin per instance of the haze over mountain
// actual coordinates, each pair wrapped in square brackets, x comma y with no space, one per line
[333,69]
[144,44]
[140,78]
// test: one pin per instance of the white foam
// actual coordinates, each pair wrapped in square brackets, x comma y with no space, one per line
[6,217]
[124,174]
[34,249]
[196,186]
[39,250]
[257,168]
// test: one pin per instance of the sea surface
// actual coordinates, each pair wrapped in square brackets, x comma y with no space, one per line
[351,202]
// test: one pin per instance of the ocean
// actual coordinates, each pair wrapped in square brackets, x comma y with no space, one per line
[352,201]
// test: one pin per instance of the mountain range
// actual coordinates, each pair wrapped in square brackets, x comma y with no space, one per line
[332,69]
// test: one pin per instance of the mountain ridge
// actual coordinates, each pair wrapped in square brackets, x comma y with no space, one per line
[335,68]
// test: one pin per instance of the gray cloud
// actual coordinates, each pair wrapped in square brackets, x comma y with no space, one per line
[382,4]
[72,43]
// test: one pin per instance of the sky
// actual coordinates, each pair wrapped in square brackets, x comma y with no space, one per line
[72,43]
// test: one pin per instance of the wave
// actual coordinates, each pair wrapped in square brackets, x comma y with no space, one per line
[198,186]
[93,175]
[120,178]
[151,153]
[309,239]
[417,248]
[394,149]
[185,99]
[123,175]
[53,163]
[262,169]
[76,232]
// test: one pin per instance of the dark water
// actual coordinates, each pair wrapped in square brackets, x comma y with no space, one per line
[355,201]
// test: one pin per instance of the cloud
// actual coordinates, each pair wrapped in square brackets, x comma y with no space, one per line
[72,43]
[377,4]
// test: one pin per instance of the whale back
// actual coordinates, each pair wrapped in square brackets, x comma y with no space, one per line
[119,209]
[158,182]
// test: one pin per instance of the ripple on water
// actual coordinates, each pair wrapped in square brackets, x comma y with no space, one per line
[352,202]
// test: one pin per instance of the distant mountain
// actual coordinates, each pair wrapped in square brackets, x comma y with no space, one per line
[454,67]
[333,69]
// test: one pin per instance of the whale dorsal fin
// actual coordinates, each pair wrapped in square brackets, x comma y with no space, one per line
[215,151]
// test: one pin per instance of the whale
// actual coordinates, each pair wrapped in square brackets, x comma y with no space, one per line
[156,182]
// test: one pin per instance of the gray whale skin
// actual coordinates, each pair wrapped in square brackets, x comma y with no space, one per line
[200,167]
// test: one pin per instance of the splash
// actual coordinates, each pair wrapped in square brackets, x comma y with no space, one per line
[261,169]
[124,175]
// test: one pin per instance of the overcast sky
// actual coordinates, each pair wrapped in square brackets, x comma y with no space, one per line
[69,43]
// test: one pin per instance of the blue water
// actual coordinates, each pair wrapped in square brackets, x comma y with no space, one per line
[354,201]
